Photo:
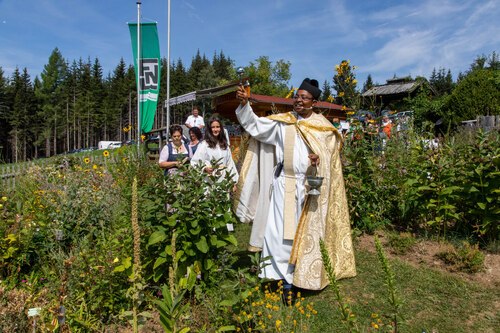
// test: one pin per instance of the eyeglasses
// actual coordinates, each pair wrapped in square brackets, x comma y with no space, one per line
[303,97]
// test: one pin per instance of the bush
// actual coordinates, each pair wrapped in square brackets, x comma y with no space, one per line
[401,243]
[467,257]
[197,208]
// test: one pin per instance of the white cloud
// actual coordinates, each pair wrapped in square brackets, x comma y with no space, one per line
[408,48]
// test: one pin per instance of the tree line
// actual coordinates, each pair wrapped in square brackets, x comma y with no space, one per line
[72,105]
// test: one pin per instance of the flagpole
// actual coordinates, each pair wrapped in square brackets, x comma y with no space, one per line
[168,73]
[139,69]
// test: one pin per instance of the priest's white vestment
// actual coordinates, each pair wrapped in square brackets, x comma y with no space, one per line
[261,198]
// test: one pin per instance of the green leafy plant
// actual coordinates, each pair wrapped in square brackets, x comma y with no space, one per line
[390,282]
[348,317]
[198,207]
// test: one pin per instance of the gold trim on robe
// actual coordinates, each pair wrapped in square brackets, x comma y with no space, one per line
[325,216]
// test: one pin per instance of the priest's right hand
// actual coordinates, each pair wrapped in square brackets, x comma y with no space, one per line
[242,95]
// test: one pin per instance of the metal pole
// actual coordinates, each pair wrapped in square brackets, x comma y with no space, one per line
[138,75]
[168,73]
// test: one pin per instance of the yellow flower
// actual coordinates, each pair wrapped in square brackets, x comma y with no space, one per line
[354,81]
[344,107]
[86,160]
[1,206]
[105,153]
[143,137]
[278,323]
[4,199]
[94,167]
[341,94]
[116,260]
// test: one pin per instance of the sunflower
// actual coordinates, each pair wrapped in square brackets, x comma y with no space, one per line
[105,153]
[94,167]
[86,160]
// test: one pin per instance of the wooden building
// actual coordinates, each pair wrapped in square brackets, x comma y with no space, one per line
[224,102]
[387,96]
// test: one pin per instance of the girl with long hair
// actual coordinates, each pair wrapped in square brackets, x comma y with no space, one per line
[215,149]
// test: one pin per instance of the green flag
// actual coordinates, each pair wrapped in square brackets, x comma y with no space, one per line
[149,74]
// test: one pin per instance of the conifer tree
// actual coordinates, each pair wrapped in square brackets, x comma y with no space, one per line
[4,112]
[368,83]
[326,92]
[50,95]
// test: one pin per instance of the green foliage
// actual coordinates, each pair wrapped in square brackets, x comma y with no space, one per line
[401,243]
[441,81]
[466,257]
[66,225]
[427,110]
[171,308]
[267,78]
[390,282]
[198,207]
[348,318]
[475,95]
[449,189]
[478,166]
[344,82]
[369,190]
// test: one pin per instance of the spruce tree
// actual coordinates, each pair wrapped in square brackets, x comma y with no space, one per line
[50,95]
[368,83]
[326,91]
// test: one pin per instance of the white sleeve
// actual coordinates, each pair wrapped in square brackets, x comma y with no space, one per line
[231,166]
[164,154]
[263,129]
[201,155]
[202,121]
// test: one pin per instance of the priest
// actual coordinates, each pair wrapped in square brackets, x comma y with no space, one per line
[272,192]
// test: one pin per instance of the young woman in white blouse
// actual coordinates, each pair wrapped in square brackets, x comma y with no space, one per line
[215,147]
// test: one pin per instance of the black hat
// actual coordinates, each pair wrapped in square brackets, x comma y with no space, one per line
[312,87]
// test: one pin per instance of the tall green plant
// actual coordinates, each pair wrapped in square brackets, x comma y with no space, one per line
[479,168]
[390,281]
[198,207]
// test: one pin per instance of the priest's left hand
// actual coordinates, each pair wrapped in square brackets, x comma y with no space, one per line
[314,159]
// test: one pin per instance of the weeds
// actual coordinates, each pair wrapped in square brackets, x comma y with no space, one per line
[466,257]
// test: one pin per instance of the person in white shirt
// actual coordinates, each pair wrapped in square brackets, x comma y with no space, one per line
[215,148]
[195,120]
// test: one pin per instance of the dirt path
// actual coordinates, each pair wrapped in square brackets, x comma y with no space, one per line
[424,254]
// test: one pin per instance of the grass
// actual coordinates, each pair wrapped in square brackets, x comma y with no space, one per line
[433,301]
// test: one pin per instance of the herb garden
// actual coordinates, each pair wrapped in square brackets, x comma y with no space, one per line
[92,244]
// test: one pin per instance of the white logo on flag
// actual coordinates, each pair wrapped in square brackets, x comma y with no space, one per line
[149,74]
[149,96]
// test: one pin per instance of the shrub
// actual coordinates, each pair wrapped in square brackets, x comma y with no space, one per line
[197,208]
[467,257]
[401,243]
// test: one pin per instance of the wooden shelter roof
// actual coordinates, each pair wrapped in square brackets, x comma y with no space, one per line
[393,86]
[225,103]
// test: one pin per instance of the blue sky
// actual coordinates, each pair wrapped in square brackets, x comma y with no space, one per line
[382,38]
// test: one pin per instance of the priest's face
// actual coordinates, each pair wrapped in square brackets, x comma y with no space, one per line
[303,103]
